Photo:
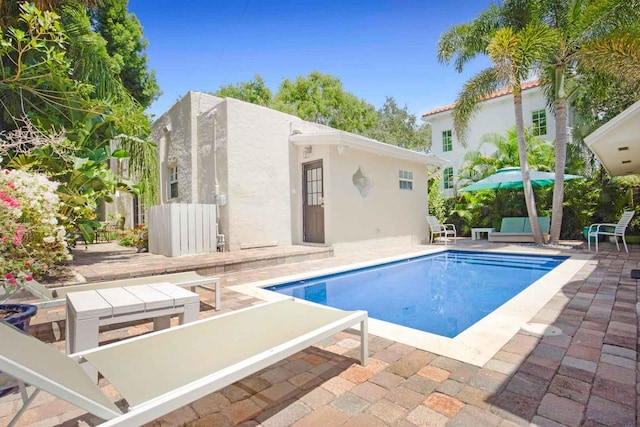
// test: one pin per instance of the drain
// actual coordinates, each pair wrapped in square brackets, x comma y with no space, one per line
[541,330]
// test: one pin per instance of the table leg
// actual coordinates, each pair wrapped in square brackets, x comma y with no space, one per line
[191,313]
[83,335]
[162,322]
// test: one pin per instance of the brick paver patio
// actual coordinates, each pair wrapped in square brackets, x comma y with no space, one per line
[587,376]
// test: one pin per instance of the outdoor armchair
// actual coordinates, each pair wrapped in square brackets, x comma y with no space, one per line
[440,230]
[597,230]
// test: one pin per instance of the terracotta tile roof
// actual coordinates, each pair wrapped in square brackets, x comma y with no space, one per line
[496,94]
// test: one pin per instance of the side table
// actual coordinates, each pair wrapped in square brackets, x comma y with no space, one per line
[476,232]
[88,310]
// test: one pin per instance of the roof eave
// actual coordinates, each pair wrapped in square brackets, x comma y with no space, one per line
[365,144]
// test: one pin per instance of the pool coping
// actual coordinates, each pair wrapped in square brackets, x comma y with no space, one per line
[480,342]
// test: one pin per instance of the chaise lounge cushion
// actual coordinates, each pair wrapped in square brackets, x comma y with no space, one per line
[162,371]
[518,229]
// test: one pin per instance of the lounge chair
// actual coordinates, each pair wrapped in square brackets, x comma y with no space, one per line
[52,297]
[597,230]
[439,230]
[165,370]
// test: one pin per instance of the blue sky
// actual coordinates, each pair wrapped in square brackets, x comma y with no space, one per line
[376,48]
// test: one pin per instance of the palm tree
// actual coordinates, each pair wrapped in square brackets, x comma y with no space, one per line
[514,54]
[600,35]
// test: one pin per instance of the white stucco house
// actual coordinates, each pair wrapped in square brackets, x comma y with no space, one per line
[495,115]
[617,143]
[280,180]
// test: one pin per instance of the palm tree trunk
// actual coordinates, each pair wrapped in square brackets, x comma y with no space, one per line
[529,197]
[561,157]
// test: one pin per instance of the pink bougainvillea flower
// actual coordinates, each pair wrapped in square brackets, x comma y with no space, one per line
[8,276]
[11,185]
[28,278]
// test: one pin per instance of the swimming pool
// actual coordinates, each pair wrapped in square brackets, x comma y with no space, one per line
[443,293]
[478,343]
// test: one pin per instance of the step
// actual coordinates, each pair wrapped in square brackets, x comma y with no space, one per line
[125,264]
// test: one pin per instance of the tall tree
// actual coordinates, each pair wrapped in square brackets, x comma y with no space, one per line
[321,98]
[593,32]
[10,9]
[600,34]
[395,125]
[44,82]
[126,45]
[514,54]
[125,121]
[254,91]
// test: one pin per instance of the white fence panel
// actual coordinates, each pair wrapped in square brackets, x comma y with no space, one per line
[182,228]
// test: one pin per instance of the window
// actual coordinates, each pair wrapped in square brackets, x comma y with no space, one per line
[406,180]
[448,178]
[539,122]
[447,142]
[173,182]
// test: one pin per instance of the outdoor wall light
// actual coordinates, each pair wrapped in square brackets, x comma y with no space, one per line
[307,151]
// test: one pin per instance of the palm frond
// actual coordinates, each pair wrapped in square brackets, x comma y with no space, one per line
[479,87]
[617,53]
[466,41]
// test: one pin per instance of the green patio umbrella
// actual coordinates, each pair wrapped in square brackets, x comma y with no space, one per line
[512,178]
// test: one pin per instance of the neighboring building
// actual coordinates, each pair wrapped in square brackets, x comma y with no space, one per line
[496,115]
[617,142]
[280,180]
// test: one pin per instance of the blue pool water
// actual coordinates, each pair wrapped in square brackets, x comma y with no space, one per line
[443,293]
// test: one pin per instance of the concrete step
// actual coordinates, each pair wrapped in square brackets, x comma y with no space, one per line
[108,261]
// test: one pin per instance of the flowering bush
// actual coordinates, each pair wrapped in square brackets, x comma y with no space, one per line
[31,241]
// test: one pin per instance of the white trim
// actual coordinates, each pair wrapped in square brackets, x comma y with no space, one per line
[599,133]
[604,147]
[350,140]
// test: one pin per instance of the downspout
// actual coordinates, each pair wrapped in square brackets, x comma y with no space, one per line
[220,199]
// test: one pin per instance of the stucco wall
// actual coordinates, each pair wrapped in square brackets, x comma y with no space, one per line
[259,189]
[381,212]
[495,116]
[258,171]
[176,133]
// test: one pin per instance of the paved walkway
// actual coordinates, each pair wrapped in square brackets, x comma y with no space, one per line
[585,376]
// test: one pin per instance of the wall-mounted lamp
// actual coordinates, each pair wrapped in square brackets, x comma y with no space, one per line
[166,128]
[342,149]
[307,151]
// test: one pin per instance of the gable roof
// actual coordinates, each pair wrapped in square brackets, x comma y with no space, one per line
[495,94]
[617,143]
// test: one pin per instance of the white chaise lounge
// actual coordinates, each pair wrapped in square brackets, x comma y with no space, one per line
[165,370]
[51,297]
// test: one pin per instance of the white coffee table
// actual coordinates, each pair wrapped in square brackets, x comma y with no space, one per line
[88,310]
[476,232]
